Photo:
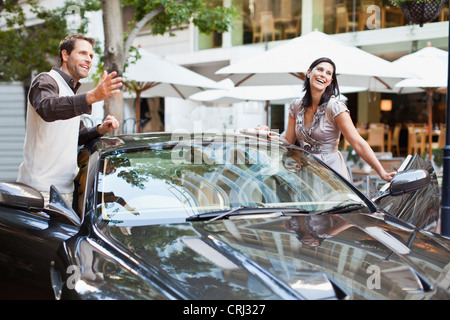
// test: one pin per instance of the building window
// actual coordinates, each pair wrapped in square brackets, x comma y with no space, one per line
[360,15]
[270,20]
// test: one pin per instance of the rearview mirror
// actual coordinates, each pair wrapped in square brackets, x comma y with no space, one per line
[409,181]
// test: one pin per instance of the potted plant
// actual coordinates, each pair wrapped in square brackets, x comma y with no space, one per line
[420,11]
[352,156]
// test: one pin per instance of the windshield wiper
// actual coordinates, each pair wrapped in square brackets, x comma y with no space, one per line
[343,208]
[222,214]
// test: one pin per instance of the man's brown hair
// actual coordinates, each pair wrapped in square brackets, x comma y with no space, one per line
[68,43]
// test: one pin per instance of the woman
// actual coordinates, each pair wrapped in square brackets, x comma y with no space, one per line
[317,120]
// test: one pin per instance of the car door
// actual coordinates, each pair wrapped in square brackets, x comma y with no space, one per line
[29,237]
[419,207]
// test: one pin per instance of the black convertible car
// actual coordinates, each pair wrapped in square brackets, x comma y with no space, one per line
[218,217]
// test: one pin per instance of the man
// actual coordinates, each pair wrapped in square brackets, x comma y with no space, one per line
[53,125]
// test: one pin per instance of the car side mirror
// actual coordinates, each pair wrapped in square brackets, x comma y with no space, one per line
[409,181]
[19,195]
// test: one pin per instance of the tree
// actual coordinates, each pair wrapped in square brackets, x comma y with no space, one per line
[162,16]
[31,49]
[26,49]
[114,55]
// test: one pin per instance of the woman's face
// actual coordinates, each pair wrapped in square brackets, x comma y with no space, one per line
[320,76]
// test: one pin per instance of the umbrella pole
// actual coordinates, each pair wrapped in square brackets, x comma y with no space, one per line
[138,110]
[430,122]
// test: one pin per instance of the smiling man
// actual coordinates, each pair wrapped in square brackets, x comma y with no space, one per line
[53,125]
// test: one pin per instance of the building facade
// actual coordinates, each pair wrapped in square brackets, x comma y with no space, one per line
[374,26]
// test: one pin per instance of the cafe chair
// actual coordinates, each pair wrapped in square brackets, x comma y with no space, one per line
[395,141]
[444,14]
[376,136]
[441,140]
[414,140]
[266,29]
[344,19]
[294,30]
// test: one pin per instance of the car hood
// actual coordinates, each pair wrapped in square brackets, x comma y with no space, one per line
[351,256]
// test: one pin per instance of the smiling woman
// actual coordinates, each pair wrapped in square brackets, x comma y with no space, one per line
[320,77]
[317,120]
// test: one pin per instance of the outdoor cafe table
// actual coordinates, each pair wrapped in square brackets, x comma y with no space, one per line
[369,177]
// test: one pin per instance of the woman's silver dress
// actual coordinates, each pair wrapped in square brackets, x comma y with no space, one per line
[321,137]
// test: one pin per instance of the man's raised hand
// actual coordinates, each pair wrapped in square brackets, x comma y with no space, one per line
[108,85]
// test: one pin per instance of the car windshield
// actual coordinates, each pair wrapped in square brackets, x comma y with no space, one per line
[172,182]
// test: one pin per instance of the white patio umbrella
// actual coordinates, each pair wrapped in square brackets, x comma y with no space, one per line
[275,94]
[431,66]
[153,76]
[289,62]
[269,94]
[158,77]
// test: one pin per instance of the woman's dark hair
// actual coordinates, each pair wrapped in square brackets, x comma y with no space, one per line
[332,89]
[68,43]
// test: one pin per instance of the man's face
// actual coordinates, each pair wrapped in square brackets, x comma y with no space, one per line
[79,62]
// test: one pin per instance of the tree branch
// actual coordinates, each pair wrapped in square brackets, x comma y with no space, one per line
[138,27]
[3,5]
